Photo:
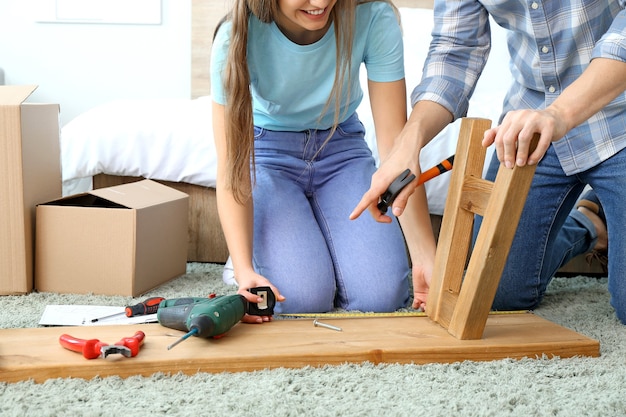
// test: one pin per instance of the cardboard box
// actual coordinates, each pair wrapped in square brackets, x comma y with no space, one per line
[121,240]
[30,173]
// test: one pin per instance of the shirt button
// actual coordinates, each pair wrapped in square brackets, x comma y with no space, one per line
[544,49]
[534,5]
[552,89]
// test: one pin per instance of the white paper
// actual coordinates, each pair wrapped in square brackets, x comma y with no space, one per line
[82,315]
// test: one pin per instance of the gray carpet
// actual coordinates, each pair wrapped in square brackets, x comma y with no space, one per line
[529,387]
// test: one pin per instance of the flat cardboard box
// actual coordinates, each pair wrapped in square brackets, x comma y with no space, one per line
[122,240]
[30,173]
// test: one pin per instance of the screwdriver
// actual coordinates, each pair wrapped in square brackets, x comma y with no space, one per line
[149,306]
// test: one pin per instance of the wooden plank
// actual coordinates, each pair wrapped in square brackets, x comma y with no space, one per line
[36,353]
[491,249]
[475,197]
[456,229]
[205,15]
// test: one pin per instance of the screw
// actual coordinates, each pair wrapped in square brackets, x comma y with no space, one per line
[318,323]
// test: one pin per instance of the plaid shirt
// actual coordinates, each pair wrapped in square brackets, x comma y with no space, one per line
[551,43]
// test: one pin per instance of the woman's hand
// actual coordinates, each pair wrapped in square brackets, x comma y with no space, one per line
[251,280]
[422,275]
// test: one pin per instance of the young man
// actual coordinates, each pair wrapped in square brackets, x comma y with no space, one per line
[569,66]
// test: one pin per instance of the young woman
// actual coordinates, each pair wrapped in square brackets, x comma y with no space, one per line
[293,162]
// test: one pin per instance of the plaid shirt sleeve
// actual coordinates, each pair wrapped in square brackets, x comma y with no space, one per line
[457,55]
[551,44]
[613,43]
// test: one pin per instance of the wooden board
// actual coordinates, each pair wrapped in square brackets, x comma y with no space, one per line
[36,353]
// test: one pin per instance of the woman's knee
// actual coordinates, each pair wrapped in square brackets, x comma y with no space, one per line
[298,301]
[383,295]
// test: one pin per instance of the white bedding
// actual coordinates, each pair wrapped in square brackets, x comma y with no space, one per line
[170,139]
[166,139]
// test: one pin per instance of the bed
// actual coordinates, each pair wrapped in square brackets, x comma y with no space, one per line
[170,140]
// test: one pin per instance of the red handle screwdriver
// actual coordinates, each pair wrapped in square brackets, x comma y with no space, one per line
[149,306]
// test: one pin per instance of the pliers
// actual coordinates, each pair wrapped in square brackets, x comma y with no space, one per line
[94,348]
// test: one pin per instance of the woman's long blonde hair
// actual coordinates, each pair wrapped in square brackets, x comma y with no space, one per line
[239,127]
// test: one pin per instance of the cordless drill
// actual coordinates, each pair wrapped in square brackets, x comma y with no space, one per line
[211,317]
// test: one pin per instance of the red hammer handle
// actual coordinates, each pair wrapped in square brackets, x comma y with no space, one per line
[133,343]
[89,348]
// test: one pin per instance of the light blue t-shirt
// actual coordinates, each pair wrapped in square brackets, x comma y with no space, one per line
[291,83]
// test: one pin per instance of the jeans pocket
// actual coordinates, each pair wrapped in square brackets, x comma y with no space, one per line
[351,127]
[259,132]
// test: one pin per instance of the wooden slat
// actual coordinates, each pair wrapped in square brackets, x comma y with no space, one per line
[491,251]
[36,353]
[205,14]
[475,196]
[456,229]
[423,4]
[460,299]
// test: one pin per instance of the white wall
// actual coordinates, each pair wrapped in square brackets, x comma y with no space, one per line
[82,65]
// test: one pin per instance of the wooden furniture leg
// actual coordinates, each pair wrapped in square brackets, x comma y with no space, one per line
[460,298]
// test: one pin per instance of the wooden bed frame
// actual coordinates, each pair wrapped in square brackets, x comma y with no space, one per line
[206,240]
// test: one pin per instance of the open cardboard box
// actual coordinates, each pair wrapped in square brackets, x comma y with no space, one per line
[30,173]
[121,240]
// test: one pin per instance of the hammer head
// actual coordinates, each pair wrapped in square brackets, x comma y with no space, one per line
[115,349]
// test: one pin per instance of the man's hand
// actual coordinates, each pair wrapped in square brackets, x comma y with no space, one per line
[371,198]
[513,136]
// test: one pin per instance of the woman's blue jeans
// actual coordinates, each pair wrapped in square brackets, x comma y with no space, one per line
[551,231]
[304,242]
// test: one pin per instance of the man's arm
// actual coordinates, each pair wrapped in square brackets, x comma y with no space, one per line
[426,121]
[602,81]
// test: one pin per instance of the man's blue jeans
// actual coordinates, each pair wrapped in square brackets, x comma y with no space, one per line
[551,231]
[304,242]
